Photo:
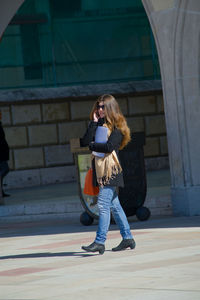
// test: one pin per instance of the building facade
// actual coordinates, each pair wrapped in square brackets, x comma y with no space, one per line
[175,26]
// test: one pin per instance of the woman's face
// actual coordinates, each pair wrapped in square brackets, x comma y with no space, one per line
[100,109]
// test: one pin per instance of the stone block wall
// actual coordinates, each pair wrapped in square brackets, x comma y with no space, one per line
[39,130]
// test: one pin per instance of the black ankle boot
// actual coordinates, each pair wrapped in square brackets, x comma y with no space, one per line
[94,247]
[125,244]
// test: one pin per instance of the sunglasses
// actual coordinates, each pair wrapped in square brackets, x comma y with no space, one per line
[100,106]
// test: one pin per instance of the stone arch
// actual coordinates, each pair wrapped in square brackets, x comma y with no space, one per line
[8,9]
[175,25]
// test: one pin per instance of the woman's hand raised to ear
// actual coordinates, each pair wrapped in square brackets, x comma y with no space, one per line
[95,117]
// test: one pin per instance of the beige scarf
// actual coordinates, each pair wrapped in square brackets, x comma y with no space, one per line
[107,167]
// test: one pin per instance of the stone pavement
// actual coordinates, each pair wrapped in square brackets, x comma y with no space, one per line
[44,260]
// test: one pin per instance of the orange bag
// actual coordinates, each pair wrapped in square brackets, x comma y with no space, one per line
[89,189]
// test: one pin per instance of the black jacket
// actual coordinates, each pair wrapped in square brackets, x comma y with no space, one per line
[4,149]
[113,143]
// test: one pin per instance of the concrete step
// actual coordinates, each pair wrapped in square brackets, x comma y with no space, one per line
[62,201]
[35,203]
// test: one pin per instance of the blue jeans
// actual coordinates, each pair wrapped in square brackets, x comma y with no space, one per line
[108,200]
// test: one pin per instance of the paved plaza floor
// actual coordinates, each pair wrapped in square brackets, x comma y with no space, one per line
[44,260]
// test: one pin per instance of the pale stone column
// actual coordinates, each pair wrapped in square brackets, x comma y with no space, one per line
[8,9]
[176,28]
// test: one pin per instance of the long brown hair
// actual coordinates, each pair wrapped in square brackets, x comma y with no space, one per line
[113,117]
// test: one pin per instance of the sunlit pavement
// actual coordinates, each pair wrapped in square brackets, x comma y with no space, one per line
[44,260]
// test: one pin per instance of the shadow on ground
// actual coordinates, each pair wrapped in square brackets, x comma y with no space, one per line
[47,254]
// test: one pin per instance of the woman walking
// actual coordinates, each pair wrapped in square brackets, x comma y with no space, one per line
[107,171]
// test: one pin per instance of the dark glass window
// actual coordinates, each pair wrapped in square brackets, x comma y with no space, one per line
[63,8]
[31,51]
[70,42]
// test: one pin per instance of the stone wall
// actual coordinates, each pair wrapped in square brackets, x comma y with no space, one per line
[38,130]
